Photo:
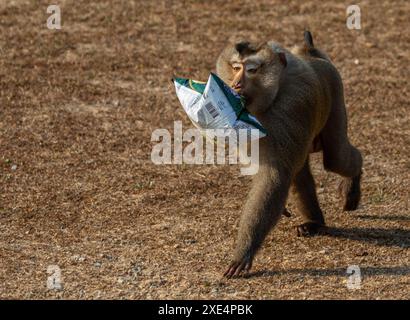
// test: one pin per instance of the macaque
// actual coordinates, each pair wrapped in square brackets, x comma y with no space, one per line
[297,95]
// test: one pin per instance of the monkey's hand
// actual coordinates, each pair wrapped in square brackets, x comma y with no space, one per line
[238,265]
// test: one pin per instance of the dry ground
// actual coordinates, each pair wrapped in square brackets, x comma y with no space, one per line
[78,189]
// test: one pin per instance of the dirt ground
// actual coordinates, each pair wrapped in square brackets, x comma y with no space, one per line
[78,189]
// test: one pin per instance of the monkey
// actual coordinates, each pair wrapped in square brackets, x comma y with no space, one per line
[297,95]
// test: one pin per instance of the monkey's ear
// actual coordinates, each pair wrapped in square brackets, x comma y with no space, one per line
[282,58]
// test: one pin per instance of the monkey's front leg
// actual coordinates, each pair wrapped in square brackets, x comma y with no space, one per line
[263,208]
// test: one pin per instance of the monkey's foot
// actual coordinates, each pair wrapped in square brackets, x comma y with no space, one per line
[309,229]
[349,188]
[236,267]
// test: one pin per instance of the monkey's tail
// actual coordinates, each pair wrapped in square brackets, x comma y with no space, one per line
[310,47]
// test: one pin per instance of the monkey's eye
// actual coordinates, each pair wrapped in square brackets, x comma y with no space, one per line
[236,67]
[252,68]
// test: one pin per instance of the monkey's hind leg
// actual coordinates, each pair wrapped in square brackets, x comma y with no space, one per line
[341,157]
[307,204]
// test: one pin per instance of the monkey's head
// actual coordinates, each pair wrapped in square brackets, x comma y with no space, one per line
[253,71]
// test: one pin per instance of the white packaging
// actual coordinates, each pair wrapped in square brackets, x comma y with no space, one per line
[214,105]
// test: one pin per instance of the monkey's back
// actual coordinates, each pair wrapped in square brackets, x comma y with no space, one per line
[330,83]
[308,82]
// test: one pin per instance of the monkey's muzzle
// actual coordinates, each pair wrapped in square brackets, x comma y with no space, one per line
[238,88]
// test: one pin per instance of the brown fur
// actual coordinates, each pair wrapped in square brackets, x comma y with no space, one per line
[301,104]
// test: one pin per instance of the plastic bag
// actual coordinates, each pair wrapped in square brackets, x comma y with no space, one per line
[214,105]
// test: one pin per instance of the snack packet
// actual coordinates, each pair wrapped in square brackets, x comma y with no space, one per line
[214,105]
